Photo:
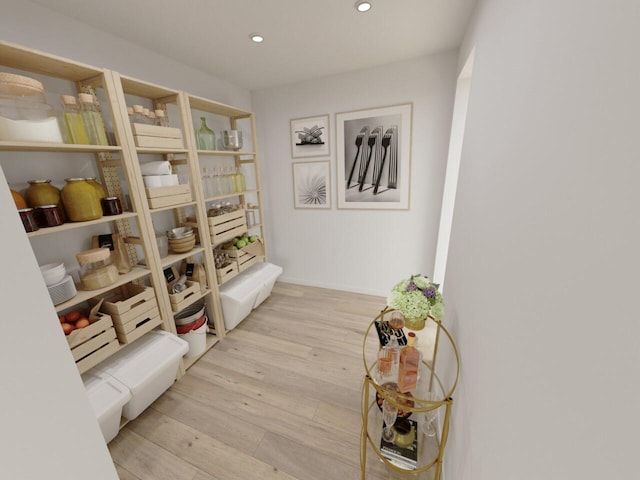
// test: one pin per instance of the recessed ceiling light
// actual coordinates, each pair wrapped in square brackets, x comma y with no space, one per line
[256,37]
[363,6]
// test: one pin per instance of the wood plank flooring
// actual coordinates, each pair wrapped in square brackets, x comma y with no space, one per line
[277,398]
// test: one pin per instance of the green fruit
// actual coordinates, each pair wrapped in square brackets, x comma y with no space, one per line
[253,238]
[241,244]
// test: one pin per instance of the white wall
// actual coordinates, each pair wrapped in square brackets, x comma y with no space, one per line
[542,278]
[358,250]
[37,27]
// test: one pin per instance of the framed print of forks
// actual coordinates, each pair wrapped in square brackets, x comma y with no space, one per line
[310,137]
[374,158]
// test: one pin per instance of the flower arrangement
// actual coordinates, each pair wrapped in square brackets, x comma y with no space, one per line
[417,297]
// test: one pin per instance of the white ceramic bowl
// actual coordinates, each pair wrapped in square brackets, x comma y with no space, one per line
[62,291]
[53,273]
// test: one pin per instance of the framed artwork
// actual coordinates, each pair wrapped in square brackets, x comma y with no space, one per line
[311,185]
[310,137]
[374,157]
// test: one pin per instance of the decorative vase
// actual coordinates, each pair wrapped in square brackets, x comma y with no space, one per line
[205,137]
[414,323]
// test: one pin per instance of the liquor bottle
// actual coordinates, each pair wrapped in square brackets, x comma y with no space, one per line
[205,136]
[239,181]
[409,365]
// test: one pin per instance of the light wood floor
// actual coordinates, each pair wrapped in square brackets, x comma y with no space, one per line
[278,398]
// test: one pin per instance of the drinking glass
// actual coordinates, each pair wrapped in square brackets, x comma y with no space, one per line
[397,320]
[389,415]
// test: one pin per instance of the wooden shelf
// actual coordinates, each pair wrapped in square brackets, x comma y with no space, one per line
[226,153]
[74,225]
[84,295]
[56,147]
[177,257]
[229,195]
[161,151]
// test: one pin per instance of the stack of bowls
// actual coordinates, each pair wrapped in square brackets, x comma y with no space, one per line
[181,239]
[53,273]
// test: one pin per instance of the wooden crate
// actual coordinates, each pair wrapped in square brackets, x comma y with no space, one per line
[227,226]
[227,273]
[181,300]
[133,309]
[155,136]
[166,196]
[93,344]
[247,256]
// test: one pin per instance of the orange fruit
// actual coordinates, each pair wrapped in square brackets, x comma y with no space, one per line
[18,200]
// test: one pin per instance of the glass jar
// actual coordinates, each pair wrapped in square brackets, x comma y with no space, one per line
[24,114]
[96,269]
[100,190]
[49,216]
[111,206]
[41,192]
[28,217]
[80,200]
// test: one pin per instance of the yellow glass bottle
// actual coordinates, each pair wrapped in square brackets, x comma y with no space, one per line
[80,200]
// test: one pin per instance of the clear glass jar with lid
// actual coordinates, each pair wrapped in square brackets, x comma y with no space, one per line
[24,114]
[96,269]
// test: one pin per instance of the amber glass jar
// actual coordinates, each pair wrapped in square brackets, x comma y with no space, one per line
[100,190]
[41,192]
[80,200]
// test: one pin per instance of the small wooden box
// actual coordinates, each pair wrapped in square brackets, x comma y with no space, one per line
[227,273]
[166,196]
[134,311]
[181,300]
[247,256]
[155,136]
[225,227]
[93,344]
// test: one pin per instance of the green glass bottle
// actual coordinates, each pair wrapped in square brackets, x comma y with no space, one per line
[205,137]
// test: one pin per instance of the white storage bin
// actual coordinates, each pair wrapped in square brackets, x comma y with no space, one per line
[266,274]
[107,397]
[147,367]
[237,297]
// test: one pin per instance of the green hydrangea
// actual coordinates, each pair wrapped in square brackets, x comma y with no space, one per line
[417,297]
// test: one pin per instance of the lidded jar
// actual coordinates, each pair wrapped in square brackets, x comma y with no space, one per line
[100,190]
[96,269]
[24,114]
[80,200]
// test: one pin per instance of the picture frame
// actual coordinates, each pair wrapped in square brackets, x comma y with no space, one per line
[373,158]
[312,184]
[310,137]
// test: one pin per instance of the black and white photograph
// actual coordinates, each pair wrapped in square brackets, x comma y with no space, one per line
[374,158]
[310,137]
[311,185]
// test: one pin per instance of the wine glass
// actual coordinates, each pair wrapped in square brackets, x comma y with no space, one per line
[389,415]
[428,426]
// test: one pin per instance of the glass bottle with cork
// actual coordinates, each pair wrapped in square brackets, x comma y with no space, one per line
[92,120]
[409,365]
[73,120]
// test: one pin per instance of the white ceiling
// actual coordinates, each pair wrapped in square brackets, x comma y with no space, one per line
[304,38]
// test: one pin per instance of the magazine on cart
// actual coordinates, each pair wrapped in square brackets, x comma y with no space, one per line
[403,457]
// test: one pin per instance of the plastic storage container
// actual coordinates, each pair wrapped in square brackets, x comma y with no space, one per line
[238,297]
[246,291]
[266,274]
[107,397]
[147,367]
